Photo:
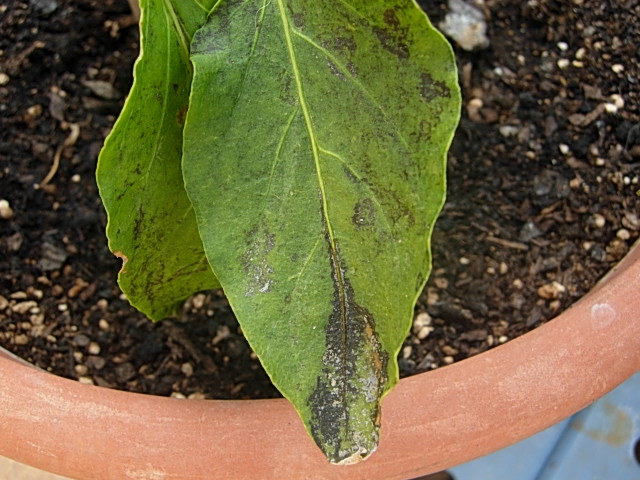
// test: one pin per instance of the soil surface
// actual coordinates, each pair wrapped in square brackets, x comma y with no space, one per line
[542,200]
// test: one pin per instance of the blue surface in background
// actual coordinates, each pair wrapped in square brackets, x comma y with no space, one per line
[597,443]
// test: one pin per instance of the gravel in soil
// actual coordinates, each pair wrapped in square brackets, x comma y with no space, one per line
[543,175]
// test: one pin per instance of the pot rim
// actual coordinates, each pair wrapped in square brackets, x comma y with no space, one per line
[430,421]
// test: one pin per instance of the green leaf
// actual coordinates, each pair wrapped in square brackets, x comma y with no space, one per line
[151,223]
[314,157]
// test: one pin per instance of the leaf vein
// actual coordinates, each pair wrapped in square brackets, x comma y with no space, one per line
[183,37]
[276,157]
[336,264]
[364,90]
[305,264]
[373,194]
[157,143]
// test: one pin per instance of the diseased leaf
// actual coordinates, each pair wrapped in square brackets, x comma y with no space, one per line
[151,221]
[314,157]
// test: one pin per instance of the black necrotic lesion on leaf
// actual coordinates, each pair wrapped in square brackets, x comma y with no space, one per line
[354,369]
[431,89]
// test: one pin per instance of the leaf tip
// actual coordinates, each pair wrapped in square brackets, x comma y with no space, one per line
[356,457]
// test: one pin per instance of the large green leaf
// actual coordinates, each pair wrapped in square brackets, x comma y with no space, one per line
[151,222]
[314,157]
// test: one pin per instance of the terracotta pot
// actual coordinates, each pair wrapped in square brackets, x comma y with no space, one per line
[429,422]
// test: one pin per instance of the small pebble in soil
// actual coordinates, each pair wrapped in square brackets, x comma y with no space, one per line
[610,108]
[597,220]
[617,248]
[631,221]
[187,369]
[95,362]
[617,100]
[6,212]
[407,351]
[551,290]
[623,234]
[53,257]
[449,350]
[478,335]
[22,308]
[423,319]
[21,339]
[424,332]
[441,282]
[598,253]
[599,162]
[509,131]
[102,89]
[529,231]
[466,25]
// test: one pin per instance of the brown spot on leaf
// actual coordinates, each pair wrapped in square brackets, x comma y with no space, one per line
[391,19]
[393,37]
[364,213]
[392,43]
[344,43]
[182,113]
[431,89]
[335,71]
[288,94]
[138,222]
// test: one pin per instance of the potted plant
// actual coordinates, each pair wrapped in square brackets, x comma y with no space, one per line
[237,163]
[430,421]
[531,382]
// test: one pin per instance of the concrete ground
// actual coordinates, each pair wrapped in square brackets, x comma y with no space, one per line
[10,470]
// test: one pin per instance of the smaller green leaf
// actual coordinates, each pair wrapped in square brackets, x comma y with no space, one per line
[151,223]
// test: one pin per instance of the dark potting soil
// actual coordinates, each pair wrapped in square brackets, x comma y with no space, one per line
[542,201]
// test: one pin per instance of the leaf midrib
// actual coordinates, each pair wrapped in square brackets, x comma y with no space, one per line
[184,39]
[316,157]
